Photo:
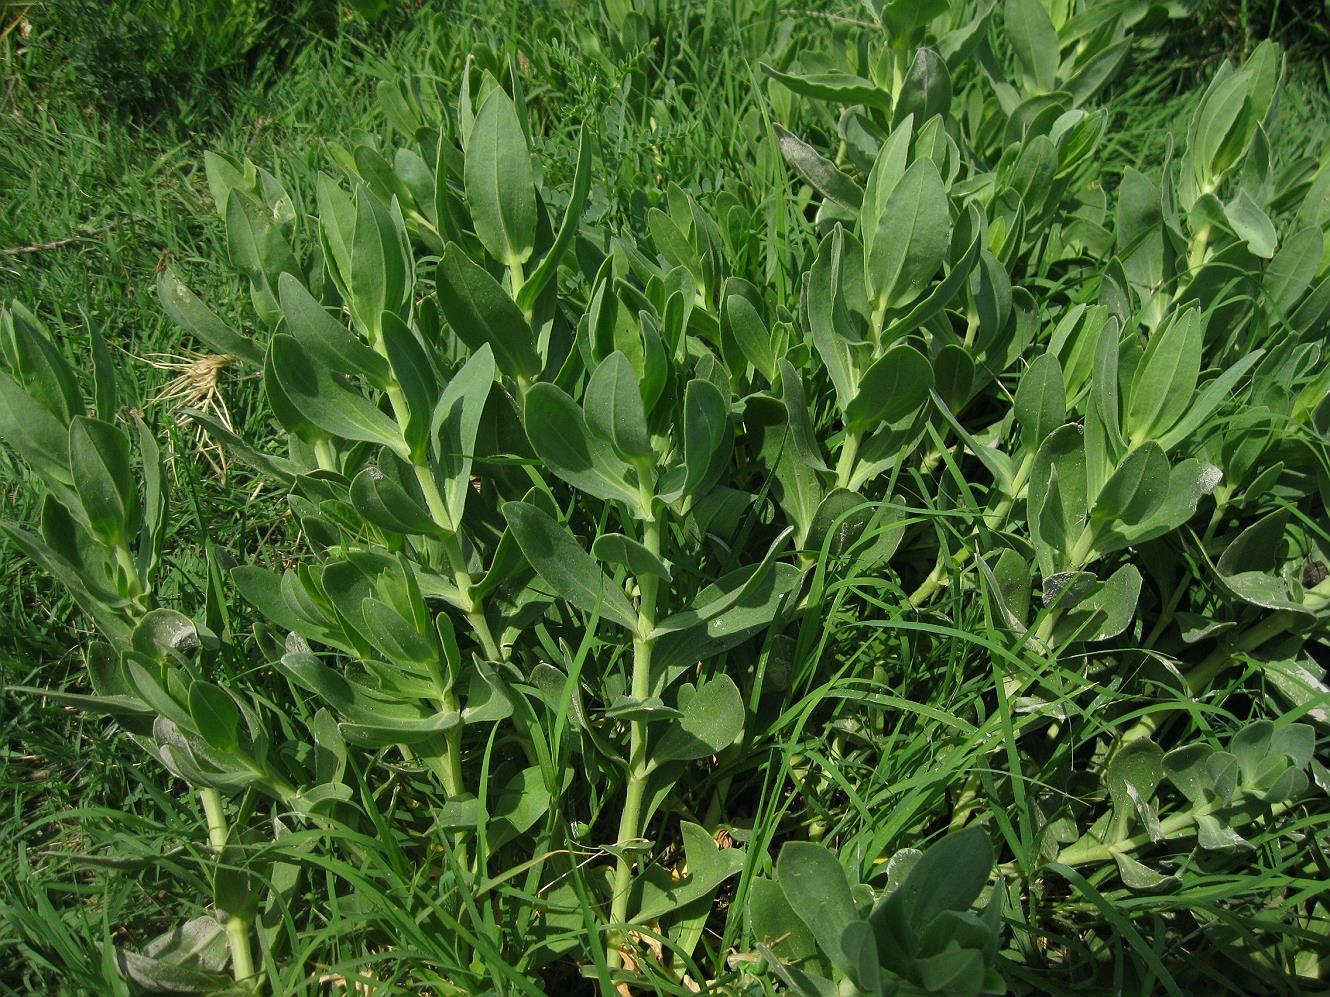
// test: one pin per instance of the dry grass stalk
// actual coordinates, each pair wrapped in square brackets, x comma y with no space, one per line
[197,386]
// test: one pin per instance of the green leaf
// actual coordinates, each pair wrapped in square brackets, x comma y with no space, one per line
[480,312]
[727,612]
[797,415]
[706,433]
[519,804]
[1301,682]
[1188,482]
[933,303]
[415,379]
[926,90]
[824,303]
[105,383]
[816,887]
[615,548]
[1214,835]
[840,522]
[1034,40]
[1105,612]
[614,408]
[187,311]
[1140,877]
[455,426]
[1214,120]
[561,438]
[120,707]
[712,717]
[39,366]
[383,731]
[1252,225]
[224,174]
[1133,774]
[33,432]
[256,244]
[215,716]
[903,19]
[895,387]
[708,865]
[839,88]
[913,236]
[742,321]
[776,923]
[1292,270]
[187,960]
[104,477]
[949,876]
[163,633]
[1041,401]
[1136,489]
[1165,380]
[325,402]
[326,339]
[549,264]
[1009,584]
[568,569]
[1055,502]
[337,226]
[820,173]
[499,189]
[394,636]
[381,262]
[1186,768]
[889,163]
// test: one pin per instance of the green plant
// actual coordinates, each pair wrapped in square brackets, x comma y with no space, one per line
[626,558]
[918,936]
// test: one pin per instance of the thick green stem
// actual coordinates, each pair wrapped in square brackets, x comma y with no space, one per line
[1198,678]
[449,766]
[993,518]
[216,818]
[517,278]
[630,821]
[323,453]
[849,453]
[124,557]
[237,940]
[1199,247]
[1274,625]
[237,928]
[1090,852]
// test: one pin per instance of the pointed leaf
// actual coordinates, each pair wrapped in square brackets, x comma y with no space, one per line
[568,569]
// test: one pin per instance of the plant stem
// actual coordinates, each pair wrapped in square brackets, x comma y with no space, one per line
[938,578]
[216,818]
[450,769]
[1090,852]
[631,819]
[124,557]
[849,453]
[1200,244]
[323,453]
[517,279]
[237,928]
[1197,678]
[438,510]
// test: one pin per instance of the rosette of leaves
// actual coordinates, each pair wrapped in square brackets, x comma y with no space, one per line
[820,933]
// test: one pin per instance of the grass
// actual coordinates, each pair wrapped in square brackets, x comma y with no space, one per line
[886,711]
